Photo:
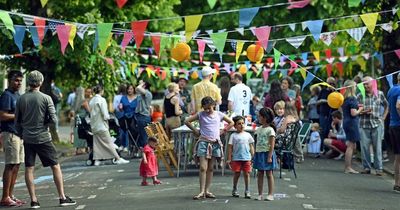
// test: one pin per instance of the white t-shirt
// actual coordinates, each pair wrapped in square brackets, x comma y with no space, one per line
[241,146]
[240,96]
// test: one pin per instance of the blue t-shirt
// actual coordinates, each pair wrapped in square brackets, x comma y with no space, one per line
[128,107]
[8,100]
[393,97]
[241,146]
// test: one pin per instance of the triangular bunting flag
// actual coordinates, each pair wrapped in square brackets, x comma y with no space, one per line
[327,38]
[128,35]
[341,51]
[5,17]
[365,56]
[246,15]
[277,56]
[192,22]
[35,36]
[374,87]
[138,29]
[201,44]
[316,69]
[121,3]
[52,25]
[397,53]
[370,21]
[308,80]
[379,56]
[262,34]
[40,27]
[298,4]
[292,26]
[296,41]
[304,58]
[164,43]
[315,27]
[43,2]
[389,79]
[329,70]
[19,36]
[28,20]
[156,39]
[63,32]
[219,40]
[343,58]
[212,3]
[339,66]
[316,55]
[240,30]
[239,48]
[266,74]
[360,86]
[72,34]
[357,33]
[271,45]
[354,3]
[104,35]
[387,27]
[81,30]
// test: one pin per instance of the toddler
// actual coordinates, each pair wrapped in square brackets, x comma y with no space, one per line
[314,145]
[149,166]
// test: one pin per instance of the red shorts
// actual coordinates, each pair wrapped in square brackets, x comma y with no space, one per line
[341,145]
[238,166]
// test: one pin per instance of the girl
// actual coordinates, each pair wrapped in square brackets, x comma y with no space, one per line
[156,113]
[149,166]
[350,123]
[265,158]
[315,141]
[209,145]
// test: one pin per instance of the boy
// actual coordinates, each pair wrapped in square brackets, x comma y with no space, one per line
[240,153]
[336,136]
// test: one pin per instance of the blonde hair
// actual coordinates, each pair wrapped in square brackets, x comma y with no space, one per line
[290,109]
[172,86]
[351,89]
[316,126]
[279,105]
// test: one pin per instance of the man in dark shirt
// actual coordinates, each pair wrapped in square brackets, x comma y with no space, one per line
[13,144]
[33,114]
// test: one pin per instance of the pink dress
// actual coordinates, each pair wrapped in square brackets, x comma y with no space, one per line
[151,168]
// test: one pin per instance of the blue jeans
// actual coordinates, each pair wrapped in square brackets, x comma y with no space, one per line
[142,121]
[123,137]
[371,136]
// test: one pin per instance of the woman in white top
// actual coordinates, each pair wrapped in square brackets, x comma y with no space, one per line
[103,147]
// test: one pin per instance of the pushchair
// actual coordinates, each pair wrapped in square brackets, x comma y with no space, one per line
[130,129]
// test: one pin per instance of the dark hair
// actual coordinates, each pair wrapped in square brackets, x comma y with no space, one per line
[128,86]
[225,85]
[269,116]
[207,101]
[14,74]
[275,92]
[147,85]
[97,89]
[238,76]
[337,114]
[153,139]
[289,80]
[237,119]
[122,88]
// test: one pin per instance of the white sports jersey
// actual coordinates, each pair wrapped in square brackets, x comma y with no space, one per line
[240,95]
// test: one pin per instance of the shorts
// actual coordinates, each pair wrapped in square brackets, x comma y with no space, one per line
[172,122]
[46,152]
[13,148]
[202,149]
[238,166]
[340,145]
[394,133]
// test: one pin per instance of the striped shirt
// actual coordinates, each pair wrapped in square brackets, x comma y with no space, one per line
[374,103]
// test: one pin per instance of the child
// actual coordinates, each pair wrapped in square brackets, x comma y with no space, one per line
[240,153]
[148,166]
[314,146]
[209,145]
[279,108]
[265,158]
[157,114]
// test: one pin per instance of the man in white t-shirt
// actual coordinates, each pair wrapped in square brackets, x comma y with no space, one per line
[239,96]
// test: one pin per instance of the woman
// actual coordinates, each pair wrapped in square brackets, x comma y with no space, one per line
[127,106]
[103,147]
[275,94]
[225,85]
[80,109]
[286,85]
[351,122]
[142,112]
[312,105]
[172,109]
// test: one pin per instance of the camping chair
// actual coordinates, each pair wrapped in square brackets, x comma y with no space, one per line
[164,148]
[284,146]
[304,132]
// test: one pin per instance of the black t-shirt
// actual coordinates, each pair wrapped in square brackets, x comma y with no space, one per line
[8,100]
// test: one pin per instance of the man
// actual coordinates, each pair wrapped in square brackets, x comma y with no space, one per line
[33,114]
[239,96]
[205,88]
[336,137]
[143,111]
[371,126]
[13,144]
[394,129]
[184,94]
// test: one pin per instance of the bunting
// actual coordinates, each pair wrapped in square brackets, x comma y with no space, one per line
[354,3]
[277,56]
[5,17]
[298,4]
[81,30]
[219,41]
[357,33]
[262,34]
[239,48]
[156,39]
[389,79]
[246,15]
[308,80]
[72,34]
[40,27]
[121,3]
[138,28]
[35,36]
[192,22]
[315,27]
[19,36]
[201,46]
[212,3]
[296,41]
[370,21]
[43,2]
[128,35]
[104,35]
[63,32]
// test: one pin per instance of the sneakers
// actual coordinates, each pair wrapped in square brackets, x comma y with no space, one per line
[247,195]
[366,171]
[97,162]
[67,201]
[120,161]
[339,157]
[379,173]
[125,149]
[235,193]
[259,198]
[396,189]
[35,205]
[269,198]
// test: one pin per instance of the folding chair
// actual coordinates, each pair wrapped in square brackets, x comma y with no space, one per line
[164,148]
[304,132]
[285,144]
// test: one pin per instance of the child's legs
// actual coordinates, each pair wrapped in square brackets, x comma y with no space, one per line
[260,181]
[236,179]
[271,182]
[203,173]
[144,179]
[210,173]
[246,176]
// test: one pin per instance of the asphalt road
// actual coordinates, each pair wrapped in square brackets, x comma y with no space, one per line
[321,184]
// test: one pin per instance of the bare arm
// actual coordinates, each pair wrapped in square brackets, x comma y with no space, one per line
[252,150]
[230,149]
[144,157]
[271,141]
[355,112]
[188,123]
[398,107]
[178,110]
[230,123]
[230,105]
[4,116]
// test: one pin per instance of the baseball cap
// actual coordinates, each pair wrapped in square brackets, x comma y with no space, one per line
[207,71]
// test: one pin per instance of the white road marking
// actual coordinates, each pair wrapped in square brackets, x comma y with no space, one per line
[292,186]
[101,188]
[80,207]
[216,201]
[109,180]
[91,196]
[283,173]
[300,196]
[286,179]
[121,170]
[308,206]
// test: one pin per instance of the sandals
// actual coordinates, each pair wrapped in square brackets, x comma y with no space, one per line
[199,196]
[157,182]
[210,195]
[144,184]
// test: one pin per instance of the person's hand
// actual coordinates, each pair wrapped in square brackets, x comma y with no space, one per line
[228,162]
[269,160]
[120,106]
[144,161]
[196,133]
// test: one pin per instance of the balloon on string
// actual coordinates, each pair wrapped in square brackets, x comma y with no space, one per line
[194,75]
[335,100]
[255,53]
[242,69]
[181,52]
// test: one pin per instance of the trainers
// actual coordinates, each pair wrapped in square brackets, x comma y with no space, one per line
[259,198]
[269,198]
[97,162]
[121,161]
[125,149]
[247,194]
[235,193]
[396,189]
[67,201]
[35,205]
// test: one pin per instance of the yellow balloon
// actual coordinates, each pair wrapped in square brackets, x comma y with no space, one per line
[194,75]
[242,69]
[255,53]
[181,52]
[335,100]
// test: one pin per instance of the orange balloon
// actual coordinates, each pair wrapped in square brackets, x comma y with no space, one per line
[181,52]
[335,100]
[255,53]
[242,69]
[194,75]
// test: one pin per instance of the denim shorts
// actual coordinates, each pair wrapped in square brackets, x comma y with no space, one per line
[202,149]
